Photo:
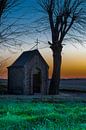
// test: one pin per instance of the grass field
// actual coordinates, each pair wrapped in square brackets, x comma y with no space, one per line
[26,115]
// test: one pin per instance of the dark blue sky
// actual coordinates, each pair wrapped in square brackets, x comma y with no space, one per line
[26,15]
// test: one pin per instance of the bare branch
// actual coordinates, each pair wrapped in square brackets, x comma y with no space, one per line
[65,16]
[12,25]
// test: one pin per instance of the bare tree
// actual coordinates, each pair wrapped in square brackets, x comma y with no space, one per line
[5,7]
[67,20]
[11,23]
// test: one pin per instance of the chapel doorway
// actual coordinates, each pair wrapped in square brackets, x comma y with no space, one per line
[37,81]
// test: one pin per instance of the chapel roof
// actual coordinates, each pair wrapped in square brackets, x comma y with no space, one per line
[25,57]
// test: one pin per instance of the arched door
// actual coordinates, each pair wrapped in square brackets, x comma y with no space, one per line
[37,79]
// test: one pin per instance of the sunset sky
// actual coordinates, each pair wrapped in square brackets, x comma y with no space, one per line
[73,58]
[73,62]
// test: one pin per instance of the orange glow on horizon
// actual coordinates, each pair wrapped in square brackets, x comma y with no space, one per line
[73,64]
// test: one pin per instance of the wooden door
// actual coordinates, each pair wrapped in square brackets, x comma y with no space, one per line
[36,83]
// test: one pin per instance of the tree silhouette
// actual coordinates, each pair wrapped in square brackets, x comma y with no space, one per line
[67,20]
[11,23]
[5,7]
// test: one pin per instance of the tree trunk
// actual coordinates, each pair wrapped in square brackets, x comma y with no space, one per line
[55,81]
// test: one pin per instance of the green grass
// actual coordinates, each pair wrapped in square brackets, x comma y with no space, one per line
[25,115]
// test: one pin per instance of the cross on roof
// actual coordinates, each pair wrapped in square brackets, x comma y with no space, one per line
[37,42]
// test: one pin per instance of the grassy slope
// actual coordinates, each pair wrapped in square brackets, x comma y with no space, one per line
[23,115]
